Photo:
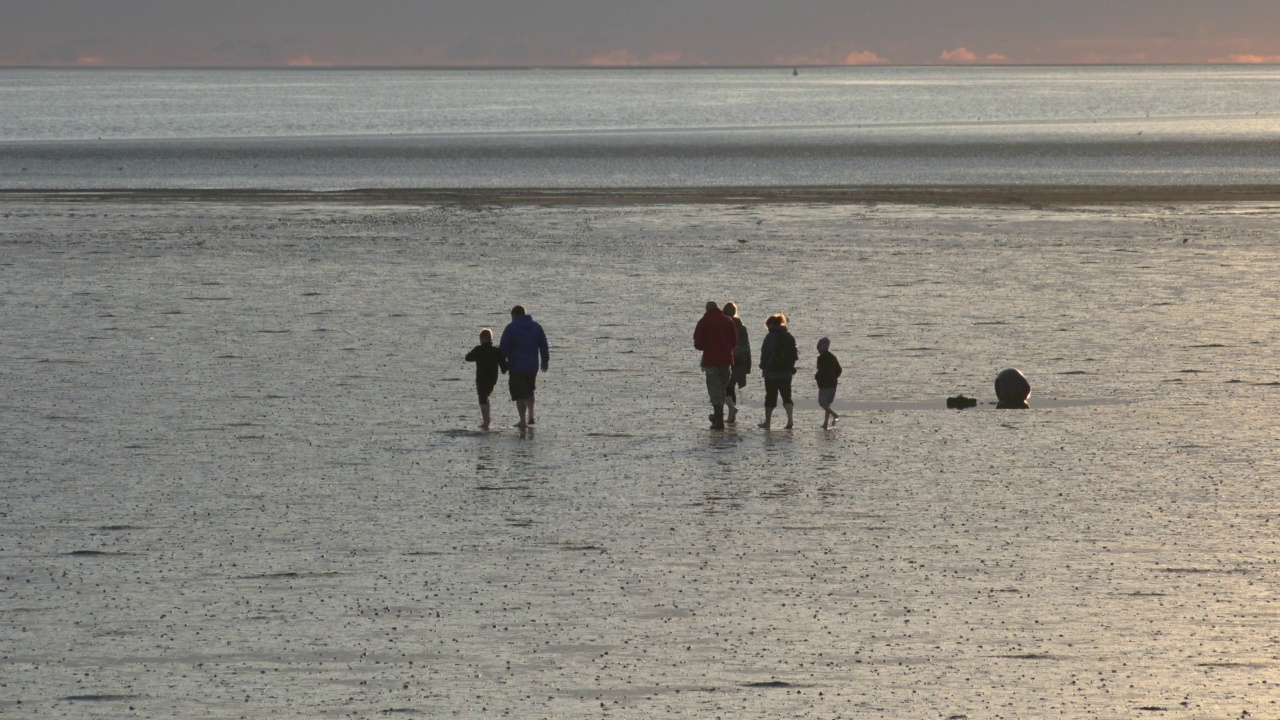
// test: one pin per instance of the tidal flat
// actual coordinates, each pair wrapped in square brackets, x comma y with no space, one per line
[241,474]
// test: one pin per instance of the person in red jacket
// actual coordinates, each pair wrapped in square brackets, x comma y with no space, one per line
[716,336]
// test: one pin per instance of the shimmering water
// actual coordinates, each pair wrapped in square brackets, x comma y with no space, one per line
[333,129]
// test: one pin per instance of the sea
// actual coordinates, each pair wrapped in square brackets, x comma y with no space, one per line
[242,473]
[332,129]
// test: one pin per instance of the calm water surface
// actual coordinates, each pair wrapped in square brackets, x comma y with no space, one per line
[330,129]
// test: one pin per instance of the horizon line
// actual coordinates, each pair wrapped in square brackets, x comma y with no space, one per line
[951,195]
[543,66]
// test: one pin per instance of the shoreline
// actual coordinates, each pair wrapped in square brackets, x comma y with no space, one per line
[851,195]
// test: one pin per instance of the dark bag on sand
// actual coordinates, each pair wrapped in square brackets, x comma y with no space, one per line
[785,354]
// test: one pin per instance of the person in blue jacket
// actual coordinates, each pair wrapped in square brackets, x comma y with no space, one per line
[524,345]
[778,355]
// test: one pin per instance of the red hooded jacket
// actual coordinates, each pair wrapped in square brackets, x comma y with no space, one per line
[716,336]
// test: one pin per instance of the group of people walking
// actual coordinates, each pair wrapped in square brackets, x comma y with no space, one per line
[726,362]
[522,351]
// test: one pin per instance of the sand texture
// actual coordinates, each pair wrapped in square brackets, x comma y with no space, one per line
[240,474]
[1018,195]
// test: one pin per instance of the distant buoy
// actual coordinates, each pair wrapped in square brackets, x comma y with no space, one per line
[1012,390]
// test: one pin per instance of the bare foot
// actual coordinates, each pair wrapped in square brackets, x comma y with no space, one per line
[763,426]
[788,427]
[521,425]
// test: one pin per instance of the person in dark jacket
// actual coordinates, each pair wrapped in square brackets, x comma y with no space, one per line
[716,336]
[741,364]
[489,361]
[778,357]
[524,344]
[827,376]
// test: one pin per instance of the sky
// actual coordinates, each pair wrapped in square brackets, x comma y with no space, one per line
[416,33]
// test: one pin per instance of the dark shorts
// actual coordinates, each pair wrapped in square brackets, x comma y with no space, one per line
[826,396]
[484,390]
[774,388]
[522,385]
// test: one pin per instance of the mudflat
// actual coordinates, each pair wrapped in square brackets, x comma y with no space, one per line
[240,472]
[909,195]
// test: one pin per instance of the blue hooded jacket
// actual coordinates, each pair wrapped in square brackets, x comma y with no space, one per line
[524,344]
[774,370]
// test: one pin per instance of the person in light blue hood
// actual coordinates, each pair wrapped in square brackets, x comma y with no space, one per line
[524,345]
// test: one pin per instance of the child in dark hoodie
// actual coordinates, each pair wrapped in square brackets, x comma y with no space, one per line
[827,375]
[489,361]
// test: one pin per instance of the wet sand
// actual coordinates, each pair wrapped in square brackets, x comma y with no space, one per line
[241,473]
[910,195]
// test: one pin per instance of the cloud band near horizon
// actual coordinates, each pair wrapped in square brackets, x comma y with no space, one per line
[583,33]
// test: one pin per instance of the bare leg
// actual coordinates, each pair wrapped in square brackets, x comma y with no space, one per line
[826,416]
[768,413]
[484,415]
[788,407]
[522,407]
[531,418]
[733,410]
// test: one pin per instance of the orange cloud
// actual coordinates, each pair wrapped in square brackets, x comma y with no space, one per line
[91,60]
[624,57]
[306,61]
[863,57]
[668,58]
[615,57]
[1159,50]
[960,54]
[829,56]
[996,58]
[1247,59]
